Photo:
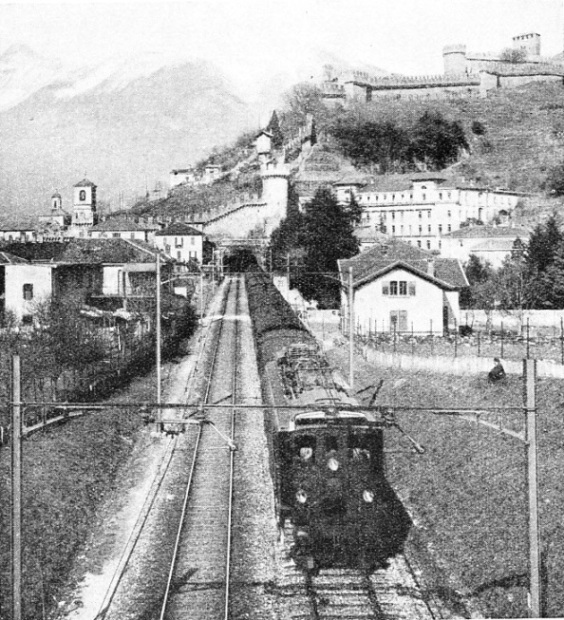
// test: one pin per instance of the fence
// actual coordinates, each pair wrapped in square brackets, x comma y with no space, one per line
[465,342]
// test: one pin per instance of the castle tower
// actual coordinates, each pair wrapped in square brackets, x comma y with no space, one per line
[84,204]
[275,193]
[530,43]
[454,59]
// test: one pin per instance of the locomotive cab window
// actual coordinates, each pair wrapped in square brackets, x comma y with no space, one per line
[331,444]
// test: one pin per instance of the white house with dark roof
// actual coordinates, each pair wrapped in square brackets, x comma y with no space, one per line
[124,228]
[181,242]
[489,243]
[398,287]
[423,207]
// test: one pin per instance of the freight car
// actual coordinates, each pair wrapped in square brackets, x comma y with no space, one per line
[327,454]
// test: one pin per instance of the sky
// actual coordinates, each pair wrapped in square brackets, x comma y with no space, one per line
[255,39]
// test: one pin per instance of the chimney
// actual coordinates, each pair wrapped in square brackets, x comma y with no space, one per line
[431,267]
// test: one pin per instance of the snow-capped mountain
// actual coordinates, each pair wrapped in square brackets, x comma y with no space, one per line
[23,72]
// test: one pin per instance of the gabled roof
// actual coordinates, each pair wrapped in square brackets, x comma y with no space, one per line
[85,183]
[178,229]
[88,251]
[263,132]
[10,259]
[382,258]
[117,224]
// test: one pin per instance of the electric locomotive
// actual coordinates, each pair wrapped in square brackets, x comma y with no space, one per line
[327,453]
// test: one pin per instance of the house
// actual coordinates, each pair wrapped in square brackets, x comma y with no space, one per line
[489,243]
[181,242]
[369,236]
[17,287]
[18,232]
[182,175]
[399,287]
[124,228]
[107,273]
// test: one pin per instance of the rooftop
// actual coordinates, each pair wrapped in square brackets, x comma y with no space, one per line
[178,229]
[391,253]
[488,232]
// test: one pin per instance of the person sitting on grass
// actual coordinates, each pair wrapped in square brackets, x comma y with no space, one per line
[497,373]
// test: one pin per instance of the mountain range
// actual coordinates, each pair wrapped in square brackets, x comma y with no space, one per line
[123,123]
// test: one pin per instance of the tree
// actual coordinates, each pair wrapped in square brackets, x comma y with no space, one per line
[437,141]
[273,128]
[512,55]
[555,180]
[287,239]
[327,237]
[479,274]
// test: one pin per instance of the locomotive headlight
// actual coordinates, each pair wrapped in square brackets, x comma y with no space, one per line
[368,496]
[301,497]
[333,464]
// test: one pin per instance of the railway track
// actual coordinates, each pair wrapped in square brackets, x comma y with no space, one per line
[353,594]
[199,576]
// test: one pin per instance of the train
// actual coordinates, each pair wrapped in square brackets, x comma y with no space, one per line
[327,454]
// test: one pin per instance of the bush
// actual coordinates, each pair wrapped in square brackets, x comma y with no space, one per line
[555,180]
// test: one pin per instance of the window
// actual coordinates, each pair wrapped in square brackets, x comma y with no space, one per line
[393,230]
[398,320]
[393,215]
[27,319]
[440,195]
[192,240]
[449,213]
[449,228]
[179,255]
[424,197]
[429,228]
[420,214]
[420,230]
[82,195]
[28,292]
[116,234]
[396,288]
[428,244]
[440,229]
[429,214]
[418,243]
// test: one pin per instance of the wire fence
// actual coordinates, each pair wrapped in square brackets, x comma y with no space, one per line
[464,342]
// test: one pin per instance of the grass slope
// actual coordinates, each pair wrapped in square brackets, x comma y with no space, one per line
[469,491]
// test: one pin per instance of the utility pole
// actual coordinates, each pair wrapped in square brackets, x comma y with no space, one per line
[158,329]
[351,329]
[530,372]
[16,490]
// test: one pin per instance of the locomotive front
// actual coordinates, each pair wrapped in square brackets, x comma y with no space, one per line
[331,487]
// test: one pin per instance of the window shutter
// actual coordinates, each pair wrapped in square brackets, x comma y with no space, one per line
[385,288]
[411,288]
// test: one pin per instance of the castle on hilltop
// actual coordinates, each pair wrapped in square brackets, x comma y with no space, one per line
[466,74]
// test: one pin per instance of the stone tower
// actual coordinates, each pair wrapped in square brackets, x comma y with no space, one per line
[530,43]
[84,204]
[275,177]
[454,59]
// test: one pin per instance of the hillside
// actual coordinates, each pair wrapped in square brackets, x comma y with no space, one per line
[524,132]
